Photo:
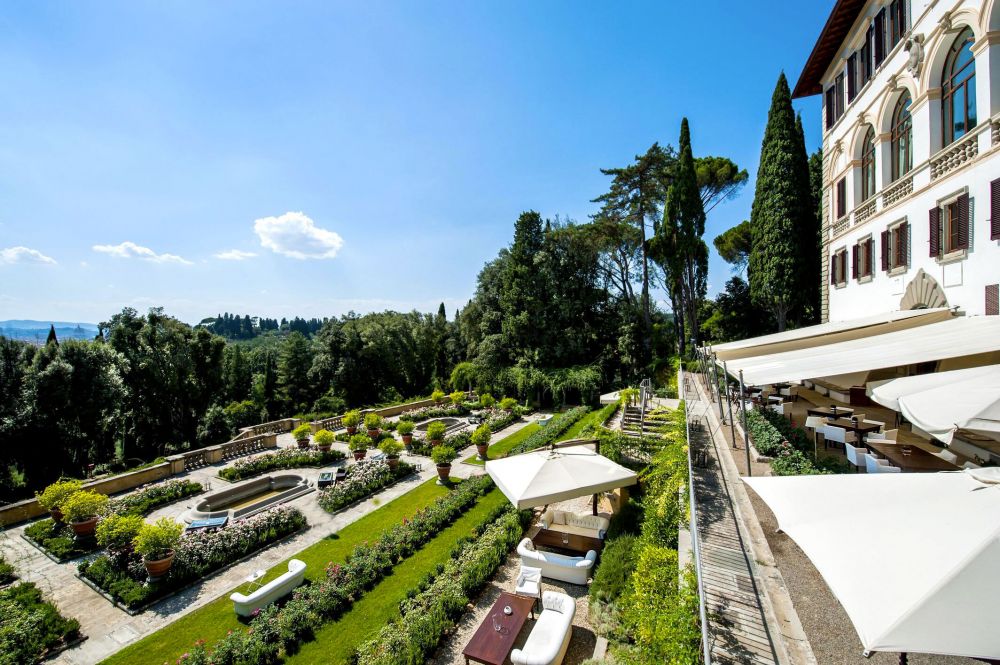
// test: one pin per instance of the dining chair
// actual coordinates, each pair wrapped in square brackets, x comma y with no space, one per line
[947,456]
[834,434]
[881,425]
[971,465]
[856,456]
[889,435]
[875,465]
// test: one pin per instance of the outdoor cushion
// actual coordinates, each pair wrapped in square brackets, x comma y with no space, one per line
[581,524]
[549,639]
[572,569]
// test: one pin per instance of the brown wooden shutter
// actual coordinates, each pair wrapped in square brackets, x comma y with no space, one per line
[885,251]
[870,257]
[935,231]
[833,270]
[879,37]
[995,210]
[963,221]
[854,261]
[852,77]
[993,299]
[904,244]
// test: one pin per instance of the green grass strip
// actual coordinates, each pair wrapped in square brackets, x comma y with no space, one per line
[337,641]
[594,418]
[498,449]
[212,621]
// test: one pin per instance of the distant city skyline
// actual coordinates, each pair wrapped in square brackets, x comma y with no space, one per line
[311,159]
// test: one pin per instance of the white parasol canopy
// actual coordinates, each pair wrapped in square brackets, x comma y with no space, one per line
[548,476]
[911,557]
[942,403]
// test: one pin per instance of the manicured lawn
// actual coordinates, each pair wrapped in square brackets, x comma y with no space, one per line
[593,418]
[498,449]
[336,641]
[212,621]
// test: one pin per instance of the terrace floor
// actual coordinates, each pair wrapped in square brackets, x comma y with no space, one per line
[108,628]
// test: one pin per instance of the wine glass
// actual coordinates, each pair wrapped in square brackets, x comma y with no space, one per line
[497,625]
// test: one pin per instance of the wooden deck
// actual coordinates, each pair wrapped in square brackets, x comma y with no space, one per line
[739,633]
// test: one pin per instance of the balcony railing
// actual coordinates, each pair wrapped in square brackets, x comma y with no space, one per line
[897,191]
[954,156]
[865,210]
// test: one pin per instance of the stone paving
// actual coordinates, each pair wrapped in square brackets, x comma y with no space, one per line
[108,629]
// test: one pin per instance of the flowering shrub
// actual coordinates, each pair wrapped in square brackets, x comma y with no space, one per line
[428,412]
[196,555]
[327,598]
[287,458]
[29,626]
[150,498]
[497,419]
[456,441]
[363,478]
[55,494]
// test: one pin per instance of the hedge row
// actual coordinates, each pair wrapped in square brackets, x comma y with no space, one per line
[363,478]
[29,626]
[556,428]
[287,458]
[775,437]
[433,610]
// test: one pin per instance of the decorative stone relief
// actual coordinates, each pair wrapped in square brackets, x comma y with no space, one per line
[915,47]
[923,292]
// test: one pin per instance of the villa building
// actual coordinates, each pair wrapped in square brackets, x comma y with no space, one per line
[911,155]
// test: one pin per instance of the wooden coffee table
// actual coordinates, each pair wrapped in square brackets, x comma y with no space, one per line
[490,646]
[562,540]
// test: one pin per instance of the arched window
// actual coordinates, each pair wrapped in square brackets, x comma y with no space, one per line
[902,138]
[868,165]
[958,89]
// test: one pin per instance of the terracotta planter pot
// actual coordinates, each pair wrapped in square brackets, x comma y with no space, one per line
[444,471]
[352,430]
[481,448]
[57,515]
[84,528]
[393,462]
[407,440]
[159,567]
[303,443]
[373,434]
[359,455]
[325,447]
[435,442]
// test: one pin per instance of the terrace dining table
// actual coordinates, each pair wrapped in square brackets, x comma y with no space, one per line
[861,429]
[827,412]
[918,460]
[491,646]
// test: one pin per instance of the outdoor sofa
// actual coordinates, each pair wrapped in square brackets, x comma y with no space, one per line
[572,569]
[594,526]
[550,636]
[270,592]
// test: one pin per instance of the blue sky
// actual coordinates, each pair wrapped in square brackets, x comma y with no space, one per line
[367,155]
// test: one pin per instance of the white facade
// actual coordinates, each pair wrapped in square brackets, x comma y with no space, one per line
[963,272]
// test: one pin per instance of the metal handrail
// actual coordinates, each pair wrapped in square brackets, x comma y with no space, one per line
[695,537]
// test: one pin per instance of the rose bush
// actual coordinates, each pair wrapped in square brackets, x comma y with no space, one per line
[287,458]
[363,478]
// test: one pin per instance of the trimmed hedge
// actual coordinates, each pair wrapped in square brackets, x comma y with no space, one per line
[7,573]
[288,458]
[431,612]
[789,446]
[549,433]
[30,627]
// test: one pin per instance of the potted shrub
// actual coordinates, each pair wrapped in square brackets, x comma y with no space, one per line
[53,497]
[359,445]
[373,423]
[351,420]
[443,456]
[301,434]
[391,448]
[508,403]
[405,429]
[486,401]
[82,509]
[457,398]
[156,543]
[481,437]
[324,439]
[437,396]
[115,533]
[435,432]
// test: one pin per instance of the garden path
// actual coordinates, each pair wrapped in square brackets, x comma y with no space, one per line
[108,628]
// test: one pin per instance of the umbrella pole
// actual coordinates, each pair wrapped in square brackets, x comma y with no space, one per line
[595,504]
[903,659]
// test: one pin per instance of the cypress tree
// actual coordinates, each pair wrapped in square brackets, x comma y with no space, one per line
[809,235]
[52,336]
[778,212]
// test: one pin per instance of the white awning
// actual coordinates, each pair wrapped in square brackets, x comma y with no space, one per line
[888,392]
[961,336]
[972,404]
[911,557]
[548,476]
[829,333]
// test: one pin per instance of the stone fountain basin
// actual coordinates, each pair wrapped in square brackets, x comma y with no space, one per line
[249,497]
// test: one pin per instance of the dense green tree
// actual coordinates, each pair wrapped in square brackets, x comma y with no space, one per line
[779,209]
[52,339]
[808,236]
[719,179]
[293,373]
[734,245]
[734,316]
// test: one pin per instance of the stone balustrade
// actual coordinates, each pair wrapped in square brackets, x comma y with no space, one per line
[954,156]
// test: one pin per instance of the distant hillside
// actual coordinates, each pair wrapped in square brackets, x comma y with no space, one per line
[38,331]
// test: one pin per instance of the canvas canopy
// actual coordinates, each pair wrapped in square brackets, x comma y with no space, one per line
[972,404]
[828,333]
[911,557]
[888,392]
[956,337]
[547,476]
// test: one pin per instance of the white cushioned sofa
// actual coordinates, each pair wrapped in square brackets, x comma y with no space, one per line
[593,526]
[270,592]
[550,636]
[572,569]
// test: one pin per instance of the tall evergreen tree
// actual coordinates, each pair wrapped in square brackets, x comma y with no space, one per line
[779,209]
[522,297]
[52,336]
[809,236]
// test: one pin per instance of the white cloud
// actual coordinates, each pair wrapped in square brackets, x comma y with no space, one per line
[130,250]
[235,255]
[24,255]
[295,235]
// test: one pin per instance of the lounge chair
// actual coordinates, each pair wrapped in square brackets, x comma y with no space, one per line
[549,639]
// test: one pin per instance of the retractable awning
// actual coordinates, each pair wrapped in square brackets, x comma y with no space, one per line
[911,557]
[957,337]
[829,333]
[888,392]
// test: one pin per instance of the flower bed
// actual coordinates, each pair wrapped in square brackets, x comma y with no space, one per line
[30,627]
[433,610]
[456,441]
[788,446]
[7,574]
[198,554]
[363,478]
[286,628]
[57,539]
[288,458]
[428,412]
[552,431]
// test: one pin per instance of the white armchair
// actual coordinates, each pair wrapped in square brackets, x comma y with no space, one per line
[549,639]
[876,465]
[572,569]
[270,592]
[856,456]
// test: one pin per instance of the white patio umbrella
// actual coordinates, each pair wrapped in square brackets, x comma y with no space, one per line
[911,557]
[942,403]
[547,476]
